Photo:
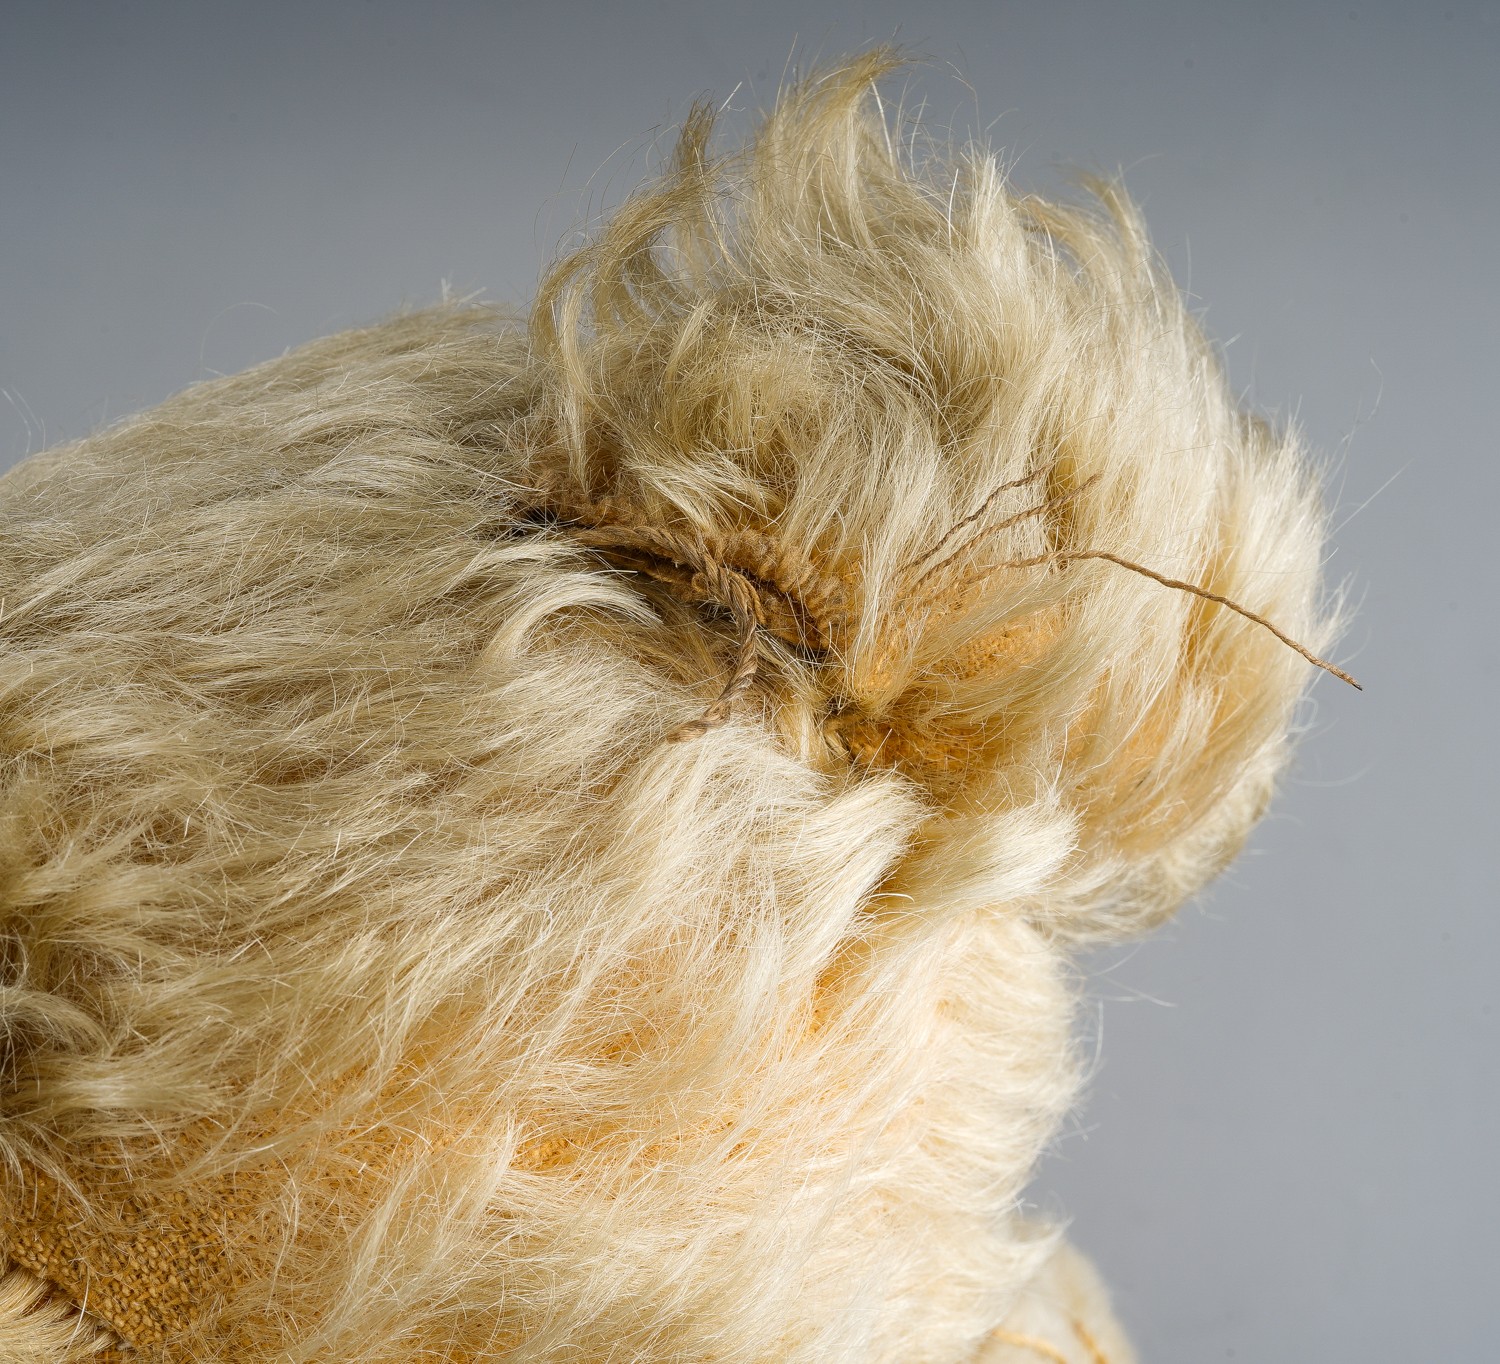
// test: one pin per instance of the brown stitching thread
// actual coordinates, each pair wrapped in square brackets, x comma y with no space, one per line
[1067,556]
[1040,509]
[788,594]
[719,582]
[1030,1343]
[976,514]
[816,599]
[800,603]
[763,583]
[1072,555]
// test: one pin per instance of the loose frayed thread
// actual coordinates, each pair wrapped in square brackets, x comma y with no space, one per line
[698,570]
[1064,557]
[1061,558]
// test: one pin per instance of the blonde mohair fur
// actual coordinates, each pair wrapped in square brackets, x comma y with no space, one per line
[382,983]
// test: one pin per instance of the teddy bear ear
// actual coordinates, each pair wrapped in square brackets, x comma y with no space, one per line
[966,451]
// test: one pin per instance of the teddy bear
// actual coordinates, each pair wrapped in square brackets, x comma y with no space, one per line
[567,836]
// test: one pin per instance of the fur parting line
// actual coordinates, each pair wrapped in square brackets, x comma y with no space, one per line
[562,840]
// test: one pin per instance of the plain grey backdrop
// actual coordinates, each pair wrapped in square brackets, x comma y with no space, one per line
[1289,1146]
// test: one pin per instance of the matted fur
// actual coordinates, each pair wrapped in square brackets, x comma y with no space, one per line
[354,903]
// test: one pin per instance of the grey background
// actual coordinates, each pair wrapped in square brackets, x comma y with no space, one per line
[1289,1148]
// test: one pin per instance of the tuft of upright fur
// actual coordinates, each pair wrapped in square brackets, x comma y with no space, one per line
[379,985]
